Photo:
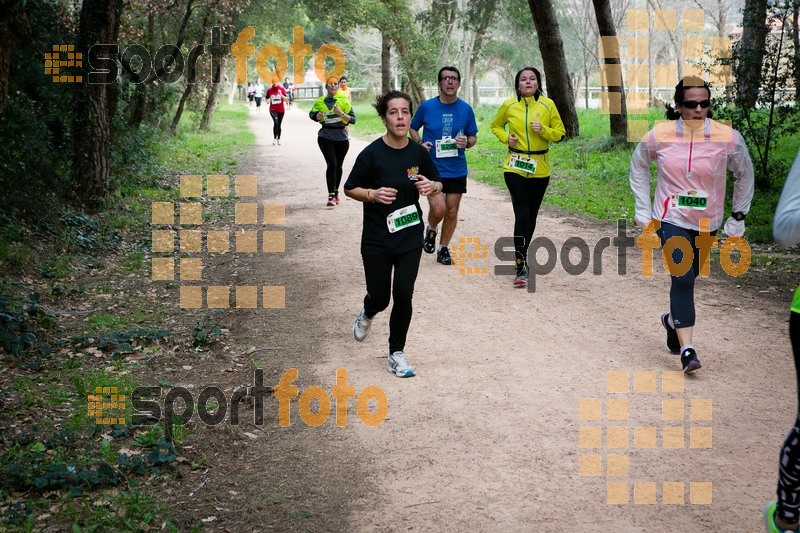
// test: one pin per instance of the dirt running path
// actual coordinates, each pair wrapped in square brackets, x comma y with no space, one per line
[486,436]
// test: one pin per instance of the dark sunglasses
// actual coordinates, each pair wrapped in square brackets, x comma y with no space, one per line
[448,78]
[692,104]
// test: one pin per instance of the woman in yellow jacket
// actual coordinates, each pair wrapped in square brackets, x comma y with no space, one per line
[533,123]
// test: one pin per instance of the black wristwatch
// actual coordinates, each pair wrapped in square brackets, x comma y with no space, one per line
[738,215]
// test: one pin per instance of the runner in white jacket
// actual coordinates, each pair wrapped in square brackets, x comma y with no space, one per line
[784,514]
[693,154]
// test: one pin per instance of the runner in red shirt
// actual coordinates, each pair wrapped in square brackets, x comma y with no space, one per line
[276,95]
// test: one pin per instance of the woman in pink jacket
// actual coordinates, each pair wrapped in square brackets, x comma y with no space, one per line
[692,154]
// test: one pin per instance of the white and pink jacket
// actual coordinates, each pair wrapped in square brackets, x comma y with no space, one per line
[691,173]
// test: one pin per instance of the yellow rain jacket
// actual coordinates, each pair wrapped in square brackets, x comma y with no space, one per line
[339,98]
[518,115]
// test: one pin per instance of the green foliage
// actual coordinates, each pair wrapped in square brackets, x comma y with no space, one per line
[119,341]
[134,261]
[132,510]
[206,332]
[155,437]
[35,143]
[103,321]
[134,164]
[772,129]
[74,464]
[368,123]
[198,153]
[22,328]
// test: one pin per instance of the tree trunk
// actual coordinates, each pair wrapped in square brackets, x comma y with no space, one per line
[559,87]
[411,83]
[469,40]
[605,23]
[179,112]
[91,114]
[651,68]
[449,27]
[213,96]
[586,80]
[13,25]
[190,77]
[138,106]
[671,34]
[796,50]
[751,52]
[386,71]
[232,88]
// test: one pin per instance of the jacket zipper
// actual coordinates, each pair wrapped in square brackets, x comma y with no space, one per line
[527,139]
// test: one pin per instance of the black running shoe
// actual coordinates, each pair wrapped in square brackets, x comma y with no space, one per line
[443,257]
[689,361]
[672,342]
[430,242]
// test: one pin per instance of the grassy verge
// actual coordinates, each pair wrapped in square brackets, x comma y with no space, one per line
[70,323]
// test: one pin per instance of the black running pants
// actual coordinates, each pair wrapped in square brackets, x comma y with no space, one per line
[526,198]
[380,286]
[333,152]
[681,292]
[789,471]
[277,118]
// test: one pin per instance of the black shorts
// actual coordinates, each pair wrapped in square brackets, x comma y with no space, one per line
[454,185]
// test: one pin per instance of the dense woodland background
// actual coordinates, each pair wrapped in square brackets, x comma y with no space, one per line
[78,145]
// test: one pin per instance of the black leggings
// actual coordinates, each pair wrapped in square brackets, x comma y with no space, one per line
[378,272]
[789,472]
[526,198]
[333,152]
[277,118]
[681,292]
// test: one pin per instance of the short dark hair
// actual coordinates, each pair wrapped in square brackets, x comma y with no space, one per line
[688,82]
[382,102]
[536,73]
[454,69]
[343,78]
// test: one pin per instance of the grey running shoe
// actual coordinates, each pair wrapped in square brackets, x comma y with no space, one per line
[398,365]
[361,326]
[672,342]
